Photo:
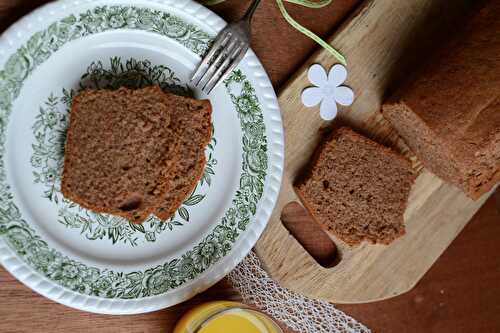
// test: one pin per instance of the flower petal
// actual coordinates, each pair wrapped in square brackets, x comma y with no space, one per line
[317,75]
[337,75]
[328,108]
[344,95]
[311,96]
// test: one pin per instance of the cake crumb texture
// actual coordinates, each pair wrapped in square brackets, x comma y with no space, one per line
[124,150]
[357,189]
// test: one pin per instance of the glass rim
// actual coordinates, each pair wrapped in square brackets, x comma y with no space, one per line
[229,308]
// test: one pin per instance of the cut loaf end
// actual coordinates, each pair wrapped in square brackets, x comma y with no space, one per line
[448,112]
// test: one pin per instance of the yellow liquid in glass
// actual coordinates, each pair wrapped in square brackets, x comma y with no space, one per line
[222,316]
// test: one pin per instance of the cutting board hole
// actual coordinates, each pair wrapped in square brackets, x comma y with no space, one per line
[309,234]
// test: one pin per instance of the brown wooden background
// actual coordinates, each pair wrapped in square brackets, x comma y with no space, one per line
[460,293]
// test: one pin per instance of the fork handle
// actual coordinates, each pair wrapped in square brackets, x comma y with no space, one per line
[249,14]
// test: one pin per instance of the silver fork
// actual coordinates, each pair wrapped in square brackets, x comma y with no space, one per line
[228,49]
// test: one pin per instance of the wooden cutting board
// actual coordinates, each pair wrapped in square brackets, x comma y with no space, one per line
[380,42]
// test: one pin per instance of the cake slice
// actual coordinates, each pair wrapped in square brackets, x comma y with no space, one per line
[357,189]
[448,112]
[120,150]
[195,133]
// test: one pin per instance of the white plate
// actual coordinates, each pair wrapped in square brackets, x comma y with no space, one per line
[101,263]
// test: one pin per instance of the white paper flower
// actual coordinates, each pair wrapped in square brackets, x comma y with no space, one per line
[328,90]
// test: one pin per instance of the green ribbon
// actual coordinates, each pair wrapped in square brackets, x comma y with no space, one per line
[306,3]
[211,2]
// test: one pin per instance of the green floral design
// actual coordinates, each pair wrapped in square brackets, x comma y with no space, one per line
[132,74]
[47,160]
[106,283]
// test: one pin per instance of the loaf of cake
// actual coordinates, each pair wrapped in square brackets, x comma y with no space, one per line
[449,111]
[357,189]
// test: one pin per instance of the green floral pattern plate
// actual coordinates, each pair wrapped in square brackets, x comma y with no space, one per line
[102,263]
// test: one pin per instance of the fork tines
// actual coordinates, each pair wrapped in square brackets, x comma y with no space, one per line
[226,52]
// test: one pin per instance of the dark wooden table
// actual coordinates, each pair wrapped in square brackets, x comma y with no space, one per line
[459,294]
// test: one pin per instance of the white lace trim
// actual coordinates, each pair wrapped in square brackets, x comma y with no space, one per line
[298,312]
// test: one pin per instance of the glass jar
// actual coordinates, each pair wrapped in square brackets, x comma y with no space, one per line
[225,316]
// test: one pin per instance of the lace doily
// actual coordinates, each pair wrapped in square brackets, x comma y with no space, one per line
[298,312]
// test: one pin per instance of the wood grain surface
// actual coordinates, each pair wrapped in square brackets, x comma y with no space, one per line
[459,294]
